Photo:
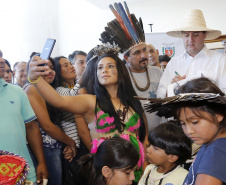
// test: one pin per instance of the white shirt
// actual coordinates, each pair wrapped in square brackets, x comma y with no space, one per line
[206,63]
[176,177]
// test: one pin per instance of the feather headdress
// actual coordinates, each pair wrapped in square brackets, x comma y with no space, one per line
[166,107]
[125,31]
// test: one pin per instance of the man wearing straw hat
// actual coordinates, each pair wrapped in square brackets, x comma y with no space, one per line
[197,60]
[18,125]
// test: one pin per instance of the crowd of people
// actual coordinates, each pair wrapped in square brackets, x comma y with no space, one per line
[85,119]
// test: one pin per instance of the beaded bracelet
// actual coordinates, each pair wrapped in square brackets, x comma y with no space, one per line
[34,81]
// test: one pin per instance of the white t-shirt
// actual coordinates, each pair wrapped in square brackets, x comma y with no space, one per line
[206,63]
[155,74]
[175,178]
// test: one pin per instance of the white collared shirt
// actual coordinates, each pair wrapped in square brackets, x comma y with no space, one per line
[206,63]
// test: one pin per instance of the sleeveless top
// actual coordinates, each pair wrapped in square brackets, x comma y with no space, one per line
[106,128]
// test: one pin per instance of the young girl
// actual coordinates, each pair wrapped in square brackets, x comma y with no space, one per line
[202,117]
[169,149]
[113,110]
[113,163]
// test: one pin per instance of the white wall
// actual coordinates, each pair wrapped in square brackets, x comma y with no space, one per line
[25,25]
[77,24]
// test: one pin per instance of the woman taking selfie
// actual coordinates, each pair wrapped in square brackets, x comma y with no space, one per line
[113,110]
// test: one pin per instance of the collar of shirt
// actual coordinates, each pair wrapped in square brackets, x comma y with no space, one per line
[3,84]
[202,52]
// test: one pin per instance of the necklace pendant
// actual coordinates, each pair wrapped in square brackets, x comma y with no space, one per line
[119,112]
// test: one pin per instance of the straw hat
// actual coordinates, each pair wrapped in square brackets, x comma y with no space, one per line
[194,21]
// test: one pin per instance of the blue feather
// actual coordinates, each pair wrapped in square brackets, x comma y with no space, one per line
[127,9]
[126,21]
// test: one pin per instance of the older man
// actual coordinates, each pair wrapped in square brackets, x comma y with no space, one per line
[145,78]
[153,55]
[197,60]
[20,73]
[18,124]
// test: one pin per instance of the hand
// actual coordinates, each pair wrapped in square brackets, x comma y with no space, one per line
[69,152]
[178,78]
[36,71]
[41,172]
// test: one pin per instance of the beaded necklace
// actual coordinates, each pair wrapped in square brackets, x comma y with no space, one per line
[135,82]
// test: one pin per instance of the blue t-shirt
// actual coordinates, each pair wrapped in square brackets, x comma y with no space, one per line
[210,160]
[15,112]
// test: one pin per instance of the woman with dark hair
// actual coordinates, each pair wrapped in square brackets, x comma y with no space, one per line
[66,86]
[8,72]
[87,87]
[113,110]
[113,163]
[53,136]
[88,78]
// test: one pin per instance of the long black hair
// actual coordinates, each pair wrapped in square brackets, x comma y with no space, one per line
[126,95]
[115,153]
[58,77]
[88,77]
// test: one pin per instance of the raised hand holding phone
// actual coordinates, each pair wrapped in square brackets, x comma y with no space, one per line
[34,72]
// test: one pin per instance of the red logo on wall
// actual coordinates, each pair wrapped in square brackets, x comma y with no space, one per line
[170,51]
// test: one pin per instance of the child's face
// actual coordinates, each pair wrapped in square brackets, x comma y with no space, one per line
[120,177]
[200,130]
[157,156]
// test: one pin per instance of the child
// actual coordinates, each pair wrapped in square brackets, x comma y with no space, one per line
[113,163]
[202,116]
[169,149]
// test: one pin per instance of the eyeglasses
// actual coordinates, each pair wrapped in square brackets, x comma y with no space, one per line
[8,71]
[22,71]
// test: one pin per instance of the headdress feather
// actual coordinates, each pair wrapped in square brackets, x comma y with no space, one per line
[120,21]
[125,30]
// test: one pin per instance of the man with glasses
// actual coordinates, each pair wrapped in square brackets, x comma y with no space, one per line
[20,73]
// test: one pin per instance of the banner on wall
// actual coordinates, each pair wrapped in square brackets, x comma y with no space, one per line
[168,45]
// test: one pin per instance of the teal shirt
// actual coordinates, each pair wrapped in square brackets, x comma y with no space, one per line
[15,112]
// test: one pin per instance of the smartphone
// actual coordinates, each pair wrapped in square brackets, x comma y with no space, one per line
[47,50]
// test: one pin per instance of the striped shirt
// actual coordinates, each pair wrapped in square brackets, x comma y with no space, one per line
[68,119]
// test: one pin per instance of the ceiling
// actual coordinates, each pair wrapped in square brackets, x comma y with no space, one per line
[103,4]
